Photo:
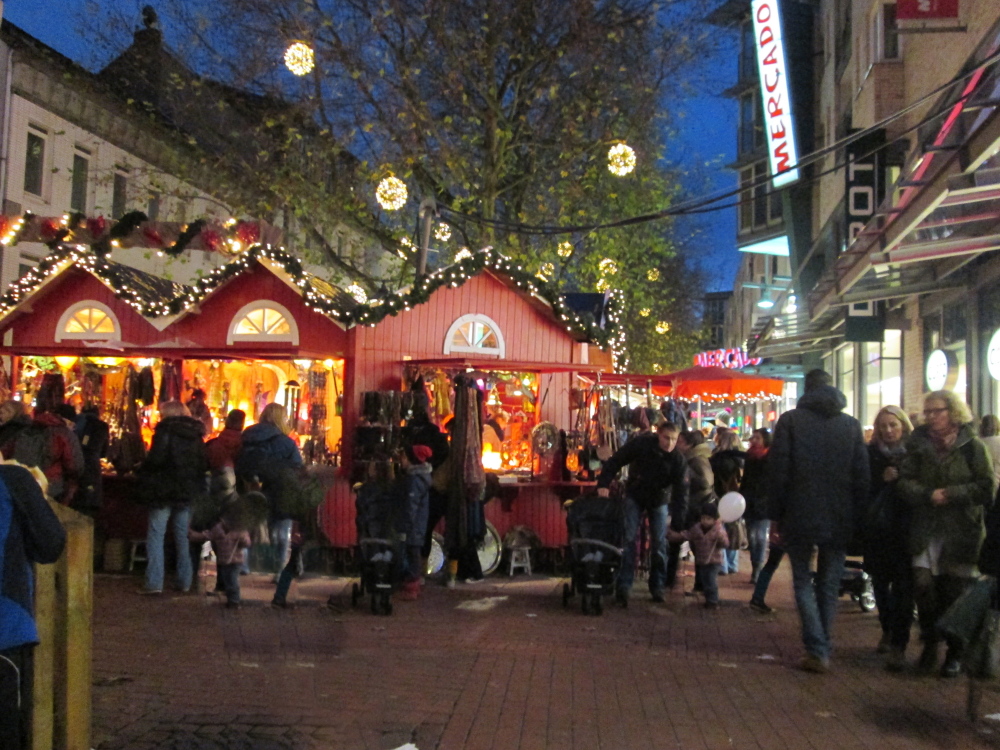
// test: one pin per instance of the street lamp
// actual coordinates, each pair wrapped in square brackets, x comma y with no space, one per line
[765,302]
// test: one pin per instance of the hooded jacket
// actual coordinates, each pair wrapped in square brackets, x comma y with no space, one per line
[818,471]
[175,470]
[271,456]
[415,487]
[701,480]
[29,533]
[222,450]
[966,474]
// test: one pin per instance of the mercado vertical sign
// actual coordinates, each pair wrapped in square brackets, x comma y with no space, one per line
[772,68]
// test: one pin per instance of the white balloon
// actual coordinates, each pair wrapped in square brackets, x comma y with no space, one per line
[731,507]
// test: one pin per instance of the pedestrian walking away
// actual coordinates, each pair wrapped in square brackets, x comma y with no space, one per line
[818,488]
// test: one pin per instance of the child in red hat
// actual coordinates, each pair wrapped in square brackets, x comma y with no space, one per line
[415,487]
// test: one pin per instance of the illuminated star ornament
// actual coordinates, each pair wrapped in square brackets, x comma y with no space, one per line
[442,233]
[391,193]
[463,254]
[546,270]
[621,159]
[662,327]
[653,274]
[644,312]
[299,58]
[565,249]
[603,285]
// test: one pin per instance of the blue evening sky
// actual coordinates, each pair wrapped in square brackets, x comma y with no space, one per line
[706,134]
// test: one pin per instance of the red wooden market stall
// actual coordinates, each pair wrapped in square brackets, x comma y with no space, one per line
[260,329]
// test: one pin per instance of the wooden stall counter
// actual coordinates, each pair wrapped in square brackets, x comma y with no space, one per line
[537,505]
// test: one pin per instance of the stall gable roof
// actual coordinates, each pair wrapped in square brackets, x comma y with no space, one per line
[155,297]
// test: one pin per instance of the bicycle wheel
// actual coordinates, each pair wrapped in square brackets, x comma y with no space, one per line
[490,550]
[436,559]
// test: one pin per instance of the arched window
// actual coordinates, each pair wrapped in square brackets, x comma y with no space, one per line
[476,334]
[90,320]
[263,320]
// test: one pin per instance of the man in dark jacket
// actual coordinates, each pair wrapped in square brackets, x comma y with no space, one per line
[818,479]
[29,533]
[657,477]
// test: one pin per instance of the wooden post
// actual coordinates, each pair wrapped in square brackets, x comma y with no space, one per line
[63,609]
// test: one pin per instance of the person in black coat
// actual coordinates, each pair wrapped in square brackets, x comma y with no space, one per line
[173,480]
[93,434]
[887,536]
[817,491]
[658,480]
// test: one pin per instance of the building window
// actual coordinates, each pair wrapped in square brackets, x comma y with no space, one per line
[89,320]
[760,204]
[264,321]
[34,162]
[476,334]
[845,375]
[746,200]
[889,36]
[748,53]
[81,176]
[882,374]
[119,196]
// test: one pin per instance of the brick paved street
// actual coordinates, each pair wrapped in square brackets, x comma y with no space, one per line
[182,671]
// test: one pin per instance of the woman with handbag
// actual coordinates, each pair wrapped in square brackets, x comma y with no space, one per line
[886,534]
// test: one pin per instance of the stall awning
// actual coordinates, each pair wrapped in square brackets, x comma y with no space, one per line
[723,384]
[503,365]
[659,384]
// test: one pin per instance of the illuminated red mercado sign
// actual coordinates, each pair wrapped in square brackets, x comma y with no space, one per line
[773,70]
[734,359]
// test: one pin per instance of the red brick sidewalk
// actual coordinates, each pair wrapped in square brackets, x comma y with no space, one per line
[183,672]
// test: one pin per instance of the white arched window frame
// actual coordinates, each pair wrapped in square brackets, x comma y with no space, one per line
[90,320]
[476,334]
[263,320]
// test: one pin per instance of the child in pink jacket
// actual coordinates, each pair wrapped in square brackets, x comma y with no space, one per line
[708,541]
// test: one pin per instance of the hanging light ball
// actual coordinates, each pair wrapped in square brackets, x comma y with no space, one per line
[463,254]
[662,327]
[442,232]
[657,367]
[621,159]
[644,312]
[546,271]
[391,193]
[608,267]
[299,58]
[358,293]
[565,249]
[653,274]
[603,285]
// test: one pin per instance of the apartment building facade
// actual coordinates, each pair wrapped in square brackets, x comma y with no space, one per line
[894,217]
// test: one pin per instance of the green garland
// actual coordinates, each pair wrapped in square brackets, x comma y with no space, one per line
[352,314]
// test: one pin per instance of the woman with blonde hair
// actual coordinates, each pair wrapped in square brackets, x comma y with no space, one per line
[947,479]
[887,530]
[269,456]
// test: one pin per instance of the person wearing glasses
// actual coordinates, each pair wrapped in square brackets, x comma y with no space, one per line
[947,478]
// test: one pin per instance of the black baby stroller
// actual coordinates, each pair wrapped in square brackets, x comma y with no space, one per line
[856,582]
[379,551]
[595,530]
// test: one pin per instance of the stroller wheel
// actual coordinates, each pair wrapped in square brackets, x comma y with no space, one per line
[355,594]
[596,606]
[866,600]
[567,594]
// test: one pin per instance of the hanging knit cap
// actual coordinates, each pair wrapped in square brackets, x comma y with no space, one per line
[421,453]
